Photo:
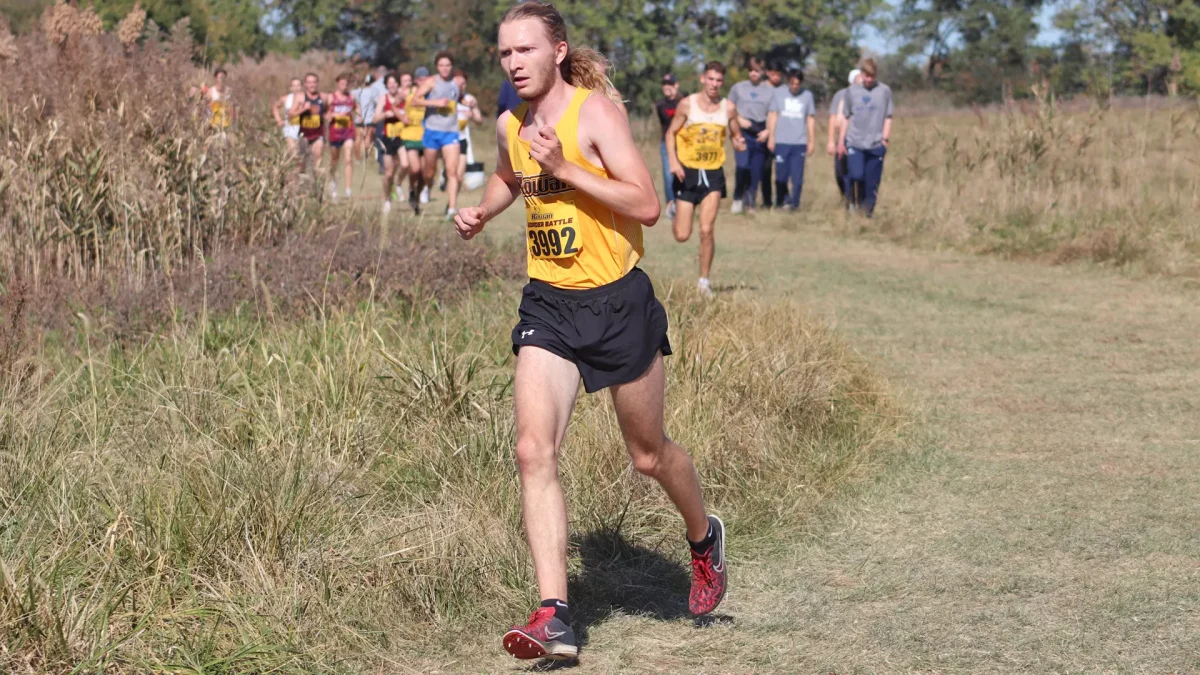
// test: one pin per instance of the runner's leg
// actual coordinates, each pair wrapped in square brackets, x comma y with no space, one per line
[639,407]
[708,218]
[348,150]
[544,392]
[389,175]
[682,225]
[450,156]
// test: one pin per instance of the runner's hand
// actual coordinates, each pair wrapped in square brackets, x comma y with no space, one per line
[548,151]
[763,136]
[831,149]
[812,149]
[841,150]
[771,144]
[677,170]
[469,221]
[739,143]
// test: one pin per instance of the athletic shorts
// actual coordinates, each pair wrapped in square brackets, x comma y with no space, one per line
[414,145]
[391,146]
[291,131]
[462,145]
[436,140]
[339,143]
[698,184]
[312,135]
[611,333]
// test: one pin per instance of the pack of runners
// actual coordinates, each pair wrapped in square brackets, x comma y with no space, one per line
[770,121]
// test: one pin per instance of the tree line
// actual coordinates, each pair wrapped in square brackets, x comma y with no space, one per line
[977,51]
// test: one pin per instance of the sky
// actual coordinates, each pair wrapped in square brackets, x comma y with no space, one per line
[878,43]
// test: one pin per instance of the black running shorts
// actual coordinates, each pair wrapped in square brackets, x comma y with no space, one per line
[392,146]
[611,333]
[698,184]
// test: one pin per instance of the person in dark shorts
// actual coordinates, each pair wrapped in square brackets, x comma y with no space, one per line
[666,111]
[696,148]
[588,312]
[312,118]
[390,115]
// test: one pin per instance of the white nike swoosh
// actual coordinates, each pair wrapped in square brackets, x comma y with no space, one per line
[555,635]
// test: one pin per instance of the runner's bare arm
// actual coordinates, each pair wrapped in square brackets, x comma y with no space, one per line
[605,130]
[420,100]
[380,110]
[887,131]
[735,129]
[677,122]
[772,122]
[275,110]
[835,120]
[501,190]
[812,134]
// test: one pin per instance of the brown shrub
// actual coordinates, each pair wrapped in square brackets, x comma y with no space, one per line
[129,31]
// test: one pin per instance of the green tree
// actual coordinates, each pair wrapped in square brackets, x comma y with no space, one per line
[225,30]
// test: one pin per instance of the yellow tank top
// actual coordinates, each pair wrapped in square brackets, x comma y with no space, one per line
[700,144]
[415,129]
[574,241]
[219,116]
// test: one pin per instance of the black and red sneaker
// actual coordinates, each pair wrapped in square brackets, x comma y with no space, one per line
[544,637]
[708,573]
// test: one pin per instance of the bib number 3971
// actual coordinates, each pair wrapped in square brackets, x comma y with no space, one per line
[551,228]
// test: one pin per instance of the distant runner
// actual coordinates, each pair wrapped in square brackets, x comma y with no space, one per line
[665,108]
[439,97]
[312,118]
[775,76]
[696,147]
[389,112]
[414,132]
[220,110]
[837,121]
[791,135]
[370,96]
[865,138]
[342,109]
[588,312]
[468,111]
[287,112]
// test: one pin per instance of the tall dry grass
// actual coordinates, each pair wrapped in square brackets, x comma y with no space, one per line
[1114,185]
[108,166]
[238,495]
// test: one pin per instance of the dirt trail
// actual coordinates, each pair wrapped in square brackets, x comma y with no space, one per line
[1051,526]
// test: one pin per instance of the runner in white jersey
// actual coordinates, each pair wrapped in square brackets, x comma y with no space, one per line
[287,112]
[468,111]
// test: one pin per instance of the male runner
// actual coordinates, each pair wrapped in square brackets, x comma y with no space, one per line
[414,131]
[342,108]
[220,110]
[370,96]
[791,136]
[287,112]
[588,310]
[696,147]
[666,111]
[752,97]
[438,95]
[468,111]
[312,118]
[837,121]
[390,114]
[864,139]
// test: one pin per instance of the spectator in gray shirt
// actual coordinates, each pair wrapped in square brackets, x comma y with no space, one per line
[791,131]
[866,136]
[752,98]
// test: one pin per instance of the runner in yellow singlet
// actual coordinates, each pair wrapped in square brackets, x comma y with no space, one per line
[696,151]
[389,111]
[414,131]
[220,110]
[588,312]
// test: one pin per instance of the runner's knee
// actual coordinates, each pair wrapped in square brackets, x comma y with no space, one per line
[535,456]
[646,457]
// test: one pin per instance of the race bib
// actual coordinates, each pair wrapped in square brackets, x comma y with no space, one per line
[311,122]
[394,129]
[551,227]
[341,122]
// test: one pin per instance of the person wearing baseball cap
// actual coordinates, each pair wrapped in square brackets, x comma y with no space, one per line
[837,119]
[666,112]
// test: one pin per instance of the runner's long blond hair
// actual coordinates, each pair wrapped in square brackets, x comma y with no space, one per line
[583,67]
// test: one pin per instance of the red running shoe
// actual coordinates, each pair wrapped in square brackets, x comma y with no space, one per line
[544,637]
[708,573]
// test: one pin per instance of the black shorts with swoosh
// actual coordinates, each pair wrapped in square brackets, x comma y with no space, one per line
[611,333]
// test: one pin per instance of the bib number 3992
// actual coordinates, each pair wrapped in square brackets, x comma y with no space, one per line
[551,230]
